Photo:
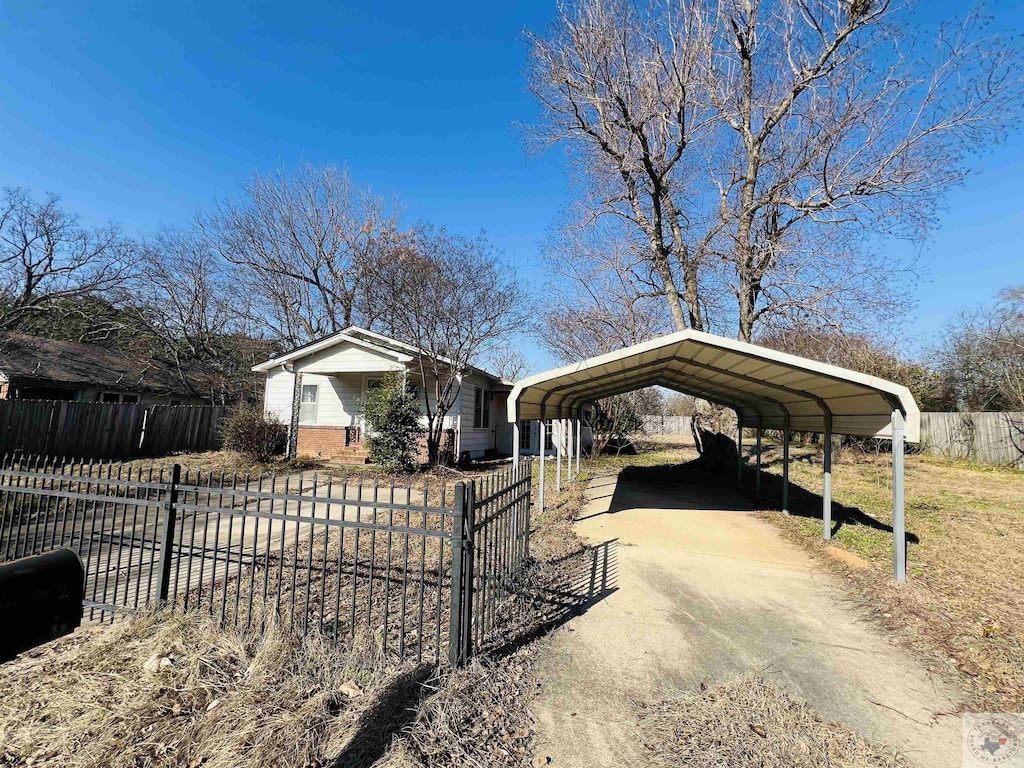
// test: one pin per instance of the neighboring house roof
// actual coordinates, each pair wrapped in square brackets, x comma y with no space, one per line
[361,337]
[25,358]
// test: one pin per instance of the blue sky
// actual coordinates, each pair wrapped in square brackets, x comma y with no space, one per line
[145,113]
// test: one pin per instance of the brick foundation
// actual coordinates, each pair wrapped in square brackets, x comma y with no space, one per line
[328,442]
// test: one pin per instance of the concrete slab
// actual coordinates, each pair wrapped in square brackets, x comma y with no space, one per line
[706,592]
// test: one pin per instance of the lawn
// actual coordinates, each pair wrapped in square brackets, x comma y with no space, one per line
[961,603]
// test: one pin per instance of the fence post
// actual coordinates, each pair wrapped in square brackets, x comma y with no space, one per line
[529,501]
[456,654]
[167,535]
[468,571]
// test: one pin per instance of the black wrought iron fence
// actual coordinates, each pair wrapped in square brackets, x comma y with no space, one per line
[421,569]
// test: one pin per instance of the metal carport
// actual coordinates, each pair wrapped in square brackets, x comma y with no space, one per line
[766,388]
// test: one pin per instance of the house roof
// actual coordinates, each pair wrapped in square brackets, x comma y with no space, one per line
[765,387]
[361,337]
[28,358]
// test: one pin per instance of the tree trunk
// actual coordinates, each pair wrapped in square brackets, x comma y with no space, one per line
[664,267]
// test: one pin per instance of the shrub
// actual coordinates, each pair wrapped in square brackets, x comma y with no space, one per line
[255,435]
[392,423]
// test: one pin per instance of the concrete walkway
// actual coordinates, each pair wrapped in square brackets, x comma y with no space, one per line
[704,592]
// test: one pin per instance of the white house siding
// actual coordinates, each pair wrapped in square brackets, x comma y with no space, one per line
[347,358]
[477,441]
[277,395]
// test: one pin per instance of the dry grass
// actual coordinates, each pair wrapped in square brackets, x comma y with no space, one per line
[554,537]
[478,716]
[961,602]
[750,723]
[175,690]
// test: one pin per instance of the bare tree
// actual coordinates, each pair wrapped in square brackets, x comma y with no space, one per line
[49,262]
[678,404]
[777,143]
[508,362]
[601,294]
[303,242]
[190,313]
[622,87]
[836,121]
[449,297]
[981,355]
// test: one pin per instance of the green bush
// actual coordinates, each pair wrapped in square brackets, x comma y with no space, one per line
[255,435]
[392,423]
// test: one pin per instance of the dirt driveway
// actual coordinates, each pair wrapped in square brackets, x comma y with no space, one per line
[698,591]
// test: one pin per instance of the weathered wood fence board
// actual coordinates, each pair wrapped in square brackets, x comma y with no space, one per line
[666,425]
[107,430]
[995,437]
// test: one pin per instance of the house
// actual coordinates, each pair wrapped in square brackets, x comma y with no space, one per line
[323,383]
[37,368]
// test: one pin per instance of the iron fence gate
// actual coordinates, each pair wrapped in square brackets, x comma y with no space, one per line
[421,569]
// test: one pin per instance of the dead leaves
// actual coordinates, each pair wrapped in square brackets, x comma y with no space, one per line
[351,690]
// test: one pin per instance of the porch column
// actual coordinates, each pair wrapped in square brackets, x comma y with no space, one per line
[826,494]
[293,425]
[541,430]
[785,465]
[899,532]
[757,477]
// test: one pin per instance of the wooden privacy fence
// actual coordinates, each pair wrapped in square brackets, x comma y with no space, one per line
[107,430]
[655,424]
[426,571]
[995,437]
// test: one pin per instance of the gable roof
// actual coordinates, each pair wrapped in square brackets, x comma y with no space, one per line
[54,361]
[367,339]
[767,388]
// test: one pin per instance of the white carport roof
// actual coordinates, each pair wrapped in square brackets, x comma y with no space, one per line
[759,383]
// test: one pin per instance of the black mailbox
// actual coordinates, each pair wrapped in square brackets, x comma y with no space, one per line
[42,598]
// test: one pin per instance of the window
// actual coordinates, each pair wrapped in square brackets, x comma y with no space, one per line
[524,434]
[118,397]
[548,444]
[374,384]
[481,408]
[307,404]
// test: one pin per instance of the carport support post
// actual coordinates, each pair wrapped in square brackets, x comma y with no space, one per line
[757,478]
[515,445]
[558,453]
[826,494]
[572,446]
[579,442]
[739,450]
[899,533]
[540,496]
[785,465]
